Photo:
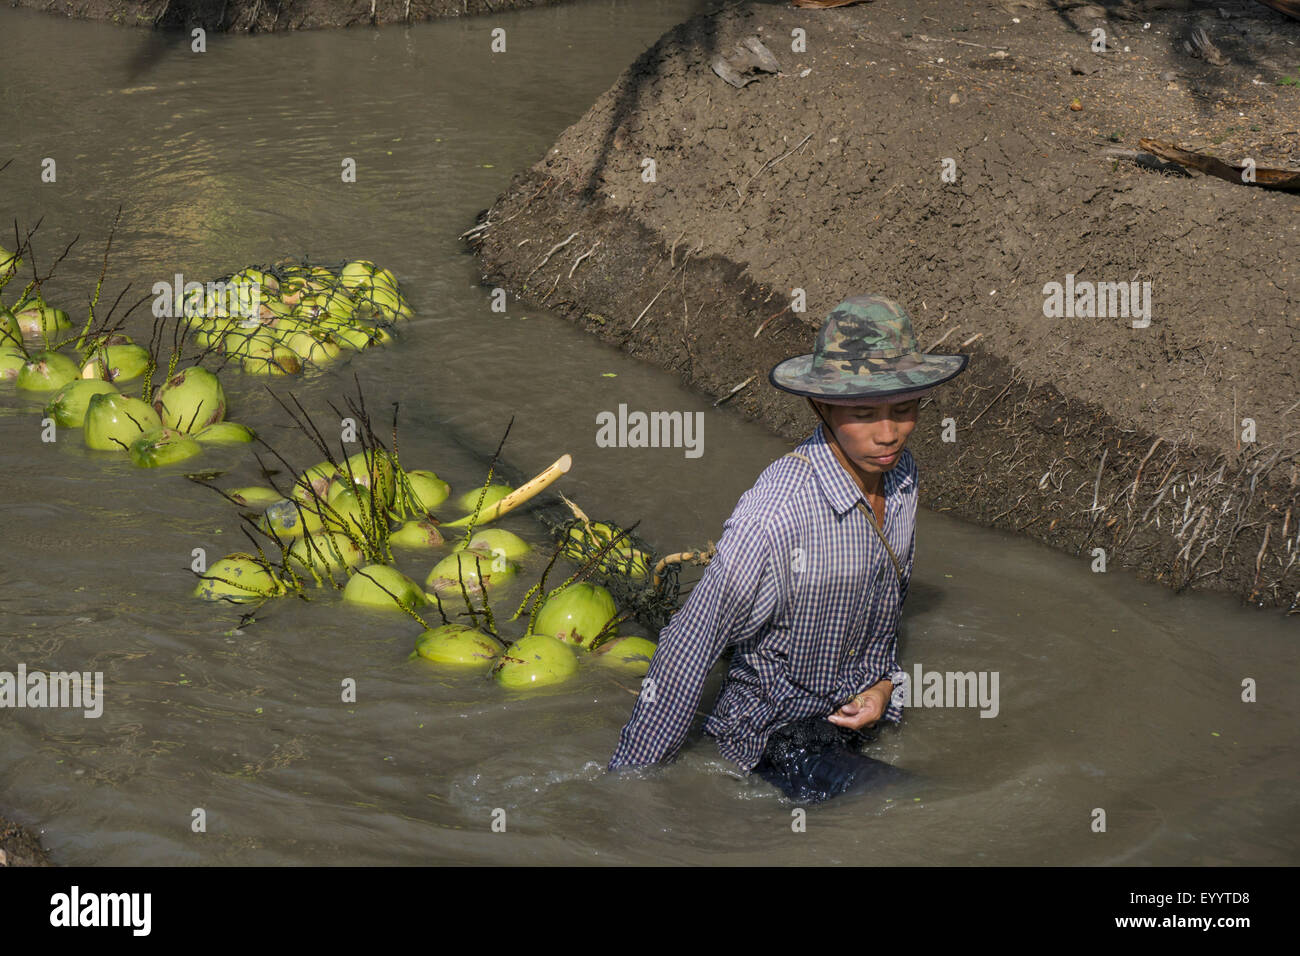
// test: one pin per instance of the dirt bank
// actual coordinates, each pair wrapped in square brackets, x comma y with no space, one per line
[1084,432]
[18,847]
[259,16]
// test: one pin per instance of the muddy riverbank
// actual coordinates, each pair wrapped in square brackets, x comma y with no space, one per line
[262,16]
[1171,445]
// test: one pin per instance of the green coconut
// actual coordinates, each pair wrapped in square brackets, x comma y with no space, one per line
[371,469]
[631,654]
[252,340]
[469,500]
[266,282]
[496,542]
[420,492]
[245,292]
[215,304]
[588,537]
[289,519]
[10,333]
[458,644]
[417,533]
[12,361]
[275,309]
[337,303]
[383,279]
[447,574]
[370,335]
[116,363]
[535,661]
[47,372]
[627,562]
[237,338]
[384,301]
[37,319]
[326,551]
[283,326]
[225,433]
[114,421]
[370,591]
[210,337]
[191,400]
[577,614]
[68,407]
[347,335]
[272,360]
[163,447]
[621,559]
[255,496]
[318,349]
[356,274]
[243,580]
[314,482]
[349,511]
[9,263]
[302,283]
[322,351]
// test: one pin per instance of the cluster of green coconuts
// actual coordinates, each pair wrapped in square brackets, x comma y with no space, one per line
[270,325]
[332,506]
[308,316]
[276,326]
[86,390]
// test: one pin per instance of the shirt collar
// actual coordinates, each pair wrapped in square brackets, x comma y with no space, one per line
[841,491]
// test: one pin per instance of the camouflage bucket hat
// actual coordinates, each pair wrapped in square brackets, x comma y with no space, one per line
[866,350]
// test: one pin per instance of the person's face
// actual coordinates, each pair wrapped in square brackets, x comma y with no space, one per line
[872,436]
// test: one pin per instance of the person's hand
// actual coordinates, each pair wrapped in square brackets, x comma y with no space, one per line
[865,709]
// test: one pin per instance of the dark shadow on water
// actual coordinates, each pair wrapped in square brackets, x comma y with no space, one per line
[153,48]
[922,598]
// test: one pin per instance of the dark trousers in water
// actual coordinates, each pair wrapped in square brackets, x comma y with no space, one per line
[812,760]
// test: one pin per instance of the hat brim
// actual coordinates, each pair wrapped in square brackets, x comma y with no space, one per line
[794,375]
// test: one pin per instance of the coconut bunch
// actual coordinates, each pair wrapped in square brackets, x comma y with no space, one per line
[279,320]
[612,549]
[87,389]
[577,623]
[346,516]
[186,412]
[29,334]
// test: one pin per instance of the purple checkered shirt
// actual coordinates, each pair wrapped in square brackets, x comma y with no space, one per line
[804,591]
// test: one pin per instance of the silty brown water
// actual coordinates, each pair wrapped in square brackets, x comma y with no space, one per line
[1113,694]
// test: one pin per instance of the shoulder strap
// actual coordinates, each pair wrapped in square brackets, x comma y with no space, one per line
[898,568]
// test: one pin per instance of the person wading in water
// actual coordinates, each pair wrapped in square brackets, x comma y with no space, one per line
[809,577]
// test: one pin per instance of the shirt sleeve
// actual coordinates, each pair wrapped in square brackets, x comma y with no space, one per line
[731,603]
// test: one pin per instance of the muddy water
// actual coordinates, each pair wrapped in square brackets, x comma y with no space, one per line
[1112,694]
